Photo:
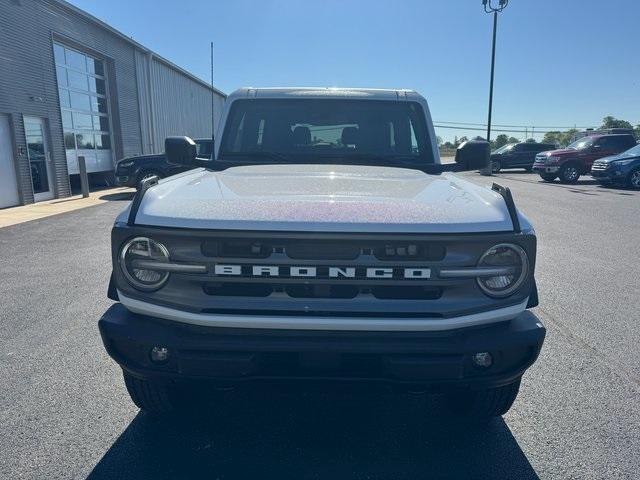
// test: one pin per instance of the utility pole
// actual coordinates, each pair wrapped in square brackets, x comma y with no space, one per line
[489,8]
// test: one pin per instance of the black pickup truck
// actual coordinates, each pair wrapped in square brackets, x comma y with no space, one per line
[130,171]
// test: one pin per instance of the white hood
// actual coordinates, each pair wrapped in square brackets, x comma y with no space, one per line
[324,198]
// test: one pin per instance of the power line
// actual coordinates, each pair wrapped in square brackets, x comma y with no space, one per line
[502,130]
[503,125]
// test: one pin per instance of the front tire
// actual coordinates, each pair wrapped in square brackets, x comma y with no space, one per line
[150,396]
[633,179]
[569,174]
[484,404]
[548,177]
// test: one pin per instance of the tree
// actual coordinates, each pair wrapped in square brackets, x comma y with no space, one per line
[612,122]
[567,137]
[500,141]
[513,140]
[439,140]
[559,138]
[553,137]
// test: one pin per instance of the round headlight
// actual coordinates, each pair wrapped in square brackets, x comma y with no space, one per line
[136,261]
[513,260]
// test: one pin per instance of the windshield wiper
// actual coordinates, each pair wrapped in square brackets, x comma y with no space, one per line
[416,163]
[373,157]
[250,156]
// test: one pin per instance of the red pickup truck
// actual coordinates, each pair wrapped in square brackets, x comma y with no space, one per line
[575,160]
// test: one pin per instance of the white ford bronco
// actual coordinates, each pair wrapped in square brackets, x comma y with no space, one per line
[324,240]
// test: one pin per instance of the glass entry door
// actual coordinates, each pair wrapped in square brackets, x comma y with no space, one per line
[39,158]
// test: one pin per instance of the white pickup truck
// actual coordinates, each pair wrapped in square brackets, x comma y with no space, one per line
[324,240]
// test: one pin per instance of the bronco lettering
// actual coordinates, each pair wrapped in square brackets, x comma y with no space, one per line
[322,272]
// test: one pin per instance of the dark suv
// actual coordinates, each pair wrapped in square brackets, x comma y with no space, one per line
[131,171]
[575,160]
[517,155]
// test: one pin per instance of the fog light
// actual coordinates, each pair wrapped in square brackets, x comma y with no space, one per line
[483,359]
[159,354]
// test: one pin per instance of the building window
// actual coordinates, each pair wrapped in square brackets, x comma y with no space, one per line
[83,104]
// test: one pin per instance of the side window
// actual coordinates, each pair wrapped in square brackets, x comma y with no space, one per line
[627,142]
[617,143]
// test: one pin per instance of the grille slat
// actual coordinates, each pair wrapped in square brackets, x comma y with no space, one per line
[317,250]
[600,166]
[323,291]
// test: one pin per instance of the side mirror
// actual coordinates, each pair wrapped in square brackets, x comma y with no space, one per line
[473,155]
[180,151]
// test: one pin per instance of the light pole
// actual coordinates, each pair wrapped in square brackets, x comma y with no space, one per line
[489,8]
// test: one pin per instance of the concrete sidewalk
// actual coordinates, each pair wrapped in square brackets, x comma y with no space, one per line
[35,211]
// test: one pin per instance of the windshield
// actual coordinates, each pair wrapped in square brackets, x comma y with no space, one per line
[581,143]
[633,151]
[505,148]
[311,130]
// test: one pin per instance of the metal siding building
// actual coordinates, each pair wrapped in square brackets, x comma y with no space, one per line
[71,85]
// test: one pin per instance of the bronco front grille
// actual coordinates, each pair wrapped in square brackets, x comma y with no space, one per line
[274,273]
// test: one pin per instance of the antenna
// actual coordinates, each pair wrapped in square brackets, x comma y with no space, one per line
[213,122]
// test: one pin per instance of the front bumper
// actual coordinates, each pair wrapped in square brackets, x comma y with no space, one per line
[610,175]
[436,360]
[544,168]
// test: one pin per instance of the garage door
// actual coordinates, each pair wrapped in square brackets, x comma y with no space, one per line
[82,87]
[8,186]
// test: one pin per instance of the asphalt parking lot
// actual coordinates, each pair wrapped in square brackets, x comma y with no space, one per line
[64,412]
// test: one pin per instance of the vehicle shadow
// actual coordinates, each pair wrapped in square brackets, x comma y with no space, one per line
[518,171]
[118,197]
[269,433]
[583,182]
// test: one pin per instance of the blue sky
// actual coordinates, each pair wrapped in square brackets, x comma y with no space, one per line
[559,63]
